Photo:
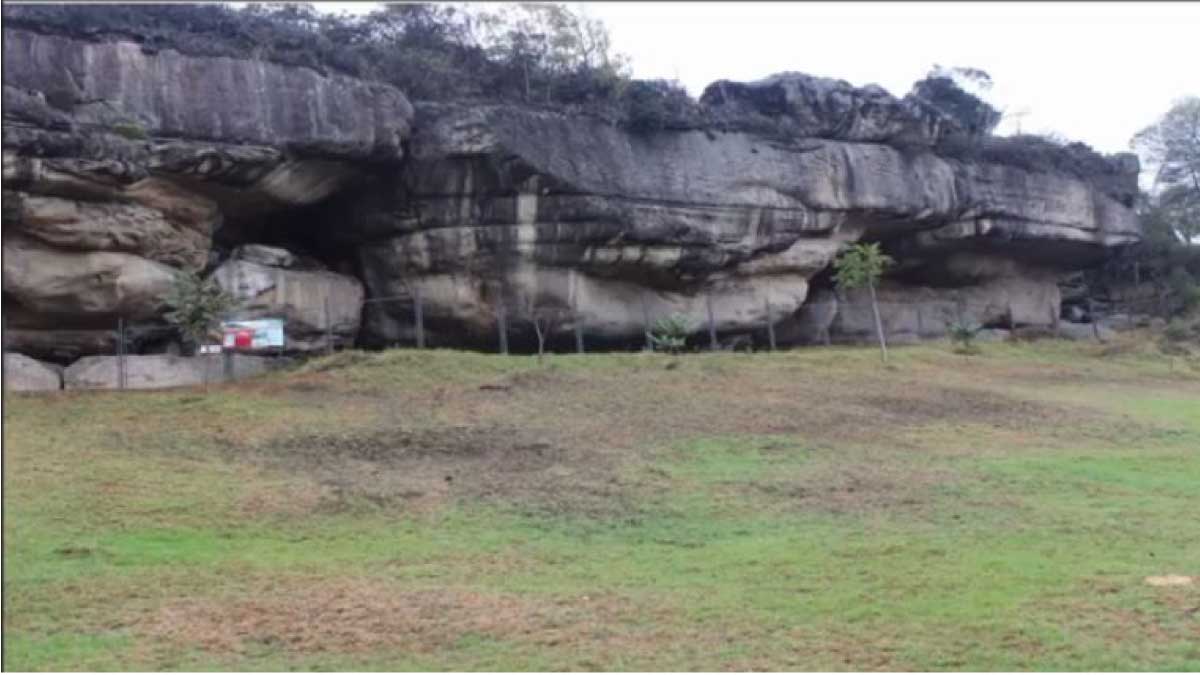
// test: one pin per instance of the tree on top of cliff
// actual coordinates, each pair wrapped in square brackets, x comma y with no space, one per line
[443,51]
[1172,146]
[957,93]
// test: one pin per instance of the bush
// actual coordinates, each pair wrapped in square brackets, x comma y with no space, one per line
[131,131]
[963,334]
[670,334]
[1178,330]
[653,105]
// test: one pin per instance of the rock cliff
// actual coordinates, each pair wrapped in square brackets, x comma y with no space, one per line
[308,194]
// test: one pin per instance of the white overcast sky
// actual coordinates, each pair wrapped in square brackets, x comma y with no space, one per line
[1095,72]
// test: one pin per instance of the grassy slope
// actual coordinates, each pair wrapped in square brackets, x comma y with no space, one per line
[802,510]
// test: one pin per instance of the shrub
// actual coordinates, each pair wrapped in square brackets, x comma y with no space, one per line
[196,306]
[652,105]
[963,334]
[670,333]
[131,131]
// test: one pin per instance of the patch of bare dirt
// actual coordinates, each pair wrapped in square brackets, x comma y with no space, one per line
[349,616]
[921,405]
[853,486]
[422,468]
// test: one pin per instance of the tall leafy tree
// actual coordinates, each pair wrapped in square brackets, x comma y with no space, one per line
[1171,148]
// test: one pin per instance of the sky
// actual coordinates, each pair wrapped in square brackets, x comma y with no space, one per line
[1095,72]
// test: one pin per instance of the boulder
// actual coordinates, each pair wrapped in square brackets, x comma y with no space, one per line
[917,312]
[84,286]
[158,371]
[812,323]
[315,304]
[1070,330]
[993,335]
[822,107]
[22,373]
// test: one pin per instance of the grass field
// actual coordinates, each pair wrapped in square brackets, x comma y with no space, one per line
[443,510]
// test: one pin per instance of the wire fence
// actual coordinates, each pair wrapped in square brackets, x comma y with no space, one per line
[844,318]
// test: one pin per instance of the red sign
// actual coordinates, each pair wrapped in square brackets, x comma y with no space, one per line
[244,338]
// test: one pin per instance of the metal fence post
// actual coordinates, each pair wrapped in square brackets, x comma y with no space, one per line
[419,317]
[712,324]
[227,364]
[120,352]
[578,330]
[646,323]
[770,326]
[502,325]
[328,329]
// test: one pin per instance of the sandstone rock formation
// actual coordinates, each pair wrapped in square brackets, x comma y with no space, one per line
[117,174]
[307,194]
[317,305]
[160,371]
[22,373]
[546,210]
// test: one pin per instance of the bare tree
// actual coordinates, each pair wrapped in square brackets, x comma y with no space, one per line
[546,320]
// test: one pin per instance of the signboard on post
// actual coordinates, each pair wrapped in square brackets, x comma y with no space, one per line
[252,334]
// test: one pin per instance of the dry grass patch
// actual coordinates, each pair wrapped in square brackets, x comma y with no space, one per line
[308,616]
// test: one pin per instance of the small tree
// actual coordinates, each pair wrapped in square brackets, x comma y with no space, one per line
[545,320]
[963,333]
[670,333]
[863,265]
[196,308]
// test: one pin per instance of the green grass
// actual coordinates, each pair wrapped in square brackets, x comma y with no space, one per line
[801,510]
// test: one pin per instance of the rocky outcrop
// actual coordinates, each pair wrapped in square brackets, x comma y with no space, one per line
[124,165]
[805,106]
[22,373]
[160,371]
[543,210]
[120,87]
[94,287]
[306,194]
[317,305]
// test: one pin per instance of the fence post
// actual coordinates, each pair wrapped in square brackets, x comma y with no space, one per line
[120,352]
[419,318]
[578,330]
[770,326]
[328,329]
[712,324]
[646,323]
[1054,318]
[502,324]
[1093,317]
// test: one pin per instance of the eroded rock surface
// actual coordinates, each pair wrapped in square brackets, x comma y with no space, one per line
[307,194]
[570,214]
[160,371]
[22,373]
[317,305]
[123,166]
